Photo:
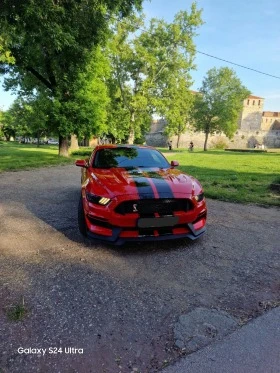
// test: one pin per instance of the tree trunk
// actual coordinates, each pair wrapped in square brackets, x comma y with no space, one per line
[205,142]
[38,139]
[74,145]
[63,146]
[131,135]
[178,140]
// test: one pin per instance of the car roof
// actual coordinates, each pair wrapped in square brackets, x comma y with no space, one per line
[111,146]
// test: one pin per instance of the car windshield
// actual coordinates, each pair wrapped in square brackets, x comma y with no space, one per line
[129,157]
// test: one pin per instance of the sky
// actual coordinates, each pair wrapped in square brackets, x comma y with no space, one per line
[244,32]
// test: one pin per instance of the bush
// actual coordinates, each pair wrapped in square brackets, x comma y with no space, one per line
[220,143]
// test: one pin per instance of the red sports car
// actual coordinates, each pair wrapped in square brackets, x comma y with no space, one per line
[132,193]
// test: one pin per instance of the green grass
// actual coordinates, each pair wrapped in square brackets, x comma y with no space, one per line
[236,177]
[228,176]
[15,156]
[17,312]
[83,152]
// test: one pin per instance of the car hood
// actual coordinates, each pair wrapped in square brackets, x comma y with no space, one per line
[144,182]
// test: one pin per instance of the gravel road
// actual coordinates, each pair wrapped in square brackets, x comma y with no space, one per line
[118,306]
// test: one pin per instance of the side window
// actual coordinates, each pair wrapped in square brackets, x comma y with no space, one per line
[91,159]
[94,160]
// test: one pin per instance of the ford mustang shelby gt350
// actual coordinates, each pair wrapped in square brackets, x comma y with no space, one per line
[132,193]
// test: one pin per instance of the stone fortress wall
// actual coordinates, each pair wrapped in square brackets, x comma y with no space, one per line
[255,126]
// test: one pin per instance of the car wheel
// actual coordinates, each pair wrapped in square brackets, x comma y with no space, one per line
[81,218]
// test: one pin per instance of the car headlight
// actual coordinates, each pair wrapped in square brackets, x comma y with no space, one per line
[199,197]
[97,199]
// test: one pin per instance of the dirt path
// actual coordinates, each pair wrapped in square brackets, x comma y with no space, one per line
[119,305]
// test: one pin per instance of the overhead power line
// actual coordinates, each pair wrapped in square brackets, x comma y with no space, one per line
[237,64]
[211,56]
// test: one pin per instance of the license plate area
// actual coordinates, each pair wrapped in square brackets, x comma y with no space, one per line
[162,221]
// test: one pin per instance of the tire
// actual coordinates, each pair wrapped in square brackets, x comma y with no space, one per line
[81,218]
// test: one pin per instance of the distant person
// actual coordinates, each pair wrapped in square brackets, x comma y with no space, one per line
[169,145]
[191,146]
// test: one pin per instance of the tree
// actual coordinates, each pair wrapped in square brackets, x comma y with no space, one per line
[45,45]
[24,118]
[170,54]
[128,103]
[8,126]
[85,113]
[149,68]
[218,104]
[177,107]
[118,113]
[1,123]
[38,112]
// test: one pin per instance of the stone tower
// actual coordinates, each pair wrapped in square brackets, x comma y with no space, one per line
[270,120]
[251,116]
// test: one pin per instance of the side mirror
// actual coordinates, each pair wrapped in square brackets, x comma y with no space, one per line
[174,163]
[81,163]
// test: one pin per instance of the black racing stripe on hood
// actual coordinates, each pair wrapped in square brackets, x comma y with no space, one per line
[163,188]
[143,186]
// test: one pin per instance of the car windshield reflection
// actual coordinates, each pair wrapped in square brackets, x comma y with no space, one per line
[129,158]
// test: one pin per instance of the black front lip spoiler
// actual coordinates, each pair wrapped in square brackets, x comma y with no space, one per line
[118,241]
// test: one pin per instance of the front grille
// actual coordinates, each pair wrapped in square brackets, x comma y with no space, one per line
[164,206]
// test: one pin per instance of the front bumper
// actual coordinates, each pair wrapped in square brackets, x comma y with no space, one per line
[117,240]
[106,225]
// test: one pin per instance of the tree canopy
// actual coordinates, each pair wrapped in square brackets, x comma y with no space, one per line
[218,103]
[151,69]
[91,71]
[45,45]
